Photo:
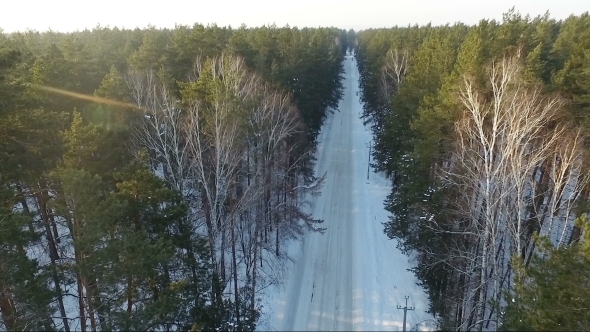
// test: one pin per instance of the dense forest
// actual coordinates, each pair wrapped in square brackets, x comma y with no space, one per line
[484,132]
[149,178]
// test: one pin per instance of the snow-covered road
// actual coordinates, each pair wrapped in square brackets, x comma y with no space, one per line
[352,277]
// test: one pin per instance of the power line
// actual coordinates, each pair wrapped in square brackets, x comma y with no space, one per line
[406,308]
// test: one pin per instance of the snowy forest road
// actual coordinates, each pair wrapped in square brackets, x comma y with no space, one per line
[352,277]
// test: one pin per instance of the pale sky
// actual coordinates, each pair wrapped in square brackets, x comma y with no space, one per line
[70,15]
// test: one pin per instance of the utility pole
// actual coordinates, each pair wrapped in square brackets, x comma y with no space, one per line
[405,311]
[369,164]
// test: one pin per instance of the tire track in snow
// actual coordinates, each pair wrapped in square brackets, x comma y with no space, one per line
[333,309]
[352,277]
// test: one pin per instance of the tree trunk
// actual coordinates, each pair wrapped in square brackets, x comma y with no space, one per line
[26,210]
[235,274]
[91,310]
[248,162]
[482,283]
[222,262]
[182,229]
[8,310]
[54,256]
[93,289]
[129,296]
[215,285]
[277,225]
[74,227]
[81,306]
[253,290]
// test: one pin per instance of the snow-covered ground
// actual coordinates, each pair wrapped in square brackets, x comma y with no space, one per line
[352,277]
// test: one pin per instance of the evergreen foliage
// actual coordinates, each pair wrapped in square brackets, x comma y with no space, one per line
[94,235]
[418,119]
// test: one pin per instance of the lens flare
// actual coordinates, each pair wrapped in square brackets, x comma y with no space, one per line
[82,96]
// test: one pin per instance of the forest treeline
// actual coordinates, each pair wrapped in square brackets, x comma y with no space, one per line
[484,132]
[149,178]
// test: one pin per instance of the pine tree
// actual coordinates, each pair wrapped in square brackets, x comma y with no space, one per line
[553,291]
[25,299]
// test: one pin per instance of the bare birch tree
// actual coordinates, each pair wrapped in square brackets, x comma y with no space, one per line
[393,72]
[276,130]
[504,139]
[160,130]
[214,129]
[232,146]
[239,152]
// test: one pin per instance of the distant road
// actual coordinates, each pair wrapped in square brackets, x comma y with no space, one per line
[352,277]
